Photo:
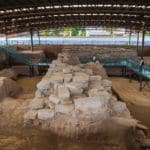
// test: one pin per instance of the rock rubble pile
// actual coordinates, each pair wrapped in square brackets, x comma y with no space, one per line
[72,100]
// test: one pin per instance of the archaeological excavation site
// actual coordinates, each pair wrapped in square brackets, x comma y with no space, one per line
[74,75]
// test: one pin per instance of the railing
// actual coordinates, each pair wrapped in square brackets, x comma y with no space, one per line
[22,58]
[129,63]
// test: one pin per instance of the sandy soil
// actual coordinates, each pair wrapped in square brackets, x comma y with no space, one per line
[137,102]
[129,92]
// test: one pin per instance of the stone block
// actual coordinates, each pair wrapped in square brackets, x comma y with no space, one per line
[30,115]
[63,92]
[81,77]
[67,78]
[45,114]
[75,88]
[106,83]
[119,107]
[95,78]
[57,78]
[101,94]
[54,99]
[36,103]
[90,104]
[39,94]
[67,70]
[44,84]
[64,109]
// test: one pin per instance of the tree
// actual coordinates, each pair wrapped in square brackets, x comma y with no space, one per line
[111,30]
[148,33]
[46,32]
[75,31]
[82,32]
[67,31]
[55,32]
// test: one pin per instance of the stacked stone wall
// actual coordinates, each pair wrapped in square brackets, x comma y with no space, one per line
[100,52]
[73,99]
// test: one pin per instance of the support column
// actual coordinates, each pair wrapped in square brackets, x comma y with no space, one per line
[143,42]
[38,34]
[138,35]
[130,37]
[31,35]
[6,39]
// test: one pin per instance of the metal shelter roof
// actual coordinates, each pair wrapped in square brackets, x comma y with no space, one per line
[22,15]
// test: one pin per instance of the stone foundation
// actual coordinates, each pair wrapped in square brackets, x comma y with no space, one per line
[74,99]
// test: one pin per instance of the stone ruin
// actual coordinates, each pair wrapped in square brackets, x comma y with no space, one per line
[71,99]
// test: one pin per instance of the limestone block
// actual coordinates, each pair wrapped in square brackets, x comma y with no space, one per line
[96,92]
[67,78]
[39,94]
[95,78]
[75,88]
[30,115]
[90,104]
[88,71]
[36,103]
[54,99]
[81,77]
[67,70]
[63,92]
[93,92]
[96,85]
[57,78]
[119,107]
[64,109]
[66,101]
[45,114]
[51,105]
[44,84]
[47,92]
[76,69]
[106,83]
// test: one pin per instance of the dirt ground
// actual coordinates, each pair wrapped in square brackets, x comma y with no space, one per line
[137,102]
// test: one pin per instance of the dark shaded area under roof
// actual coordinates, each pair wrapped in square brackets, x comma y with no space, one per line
[19,16]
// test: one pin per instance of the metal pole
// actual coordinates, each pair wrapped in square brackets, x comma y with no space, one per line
[38,34]
[143,42]
[130,38]
[6,39]
[138,41]
[31,34]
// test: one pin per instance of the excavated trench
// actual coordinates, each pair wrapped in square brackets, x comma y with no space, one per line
[14,136]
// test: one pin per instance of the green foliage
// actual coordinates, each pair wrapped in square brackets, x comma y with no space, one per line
[111,30]
[67,31]
[83,32]
[56,32]
[78,32]
[75,31]
[148,33]
[46,32]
